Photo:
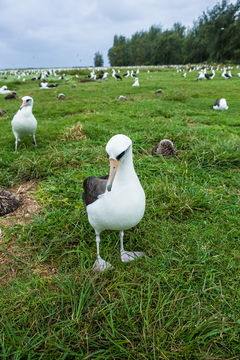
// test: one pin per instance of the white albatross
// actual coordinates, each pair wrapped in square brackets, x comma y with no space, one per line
[24,122]
[117,201]
[4,90]
[220,104]
[136,82]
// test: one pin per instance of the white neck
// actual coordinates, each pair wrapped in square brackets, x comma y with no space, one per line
[26,110]
[126,172]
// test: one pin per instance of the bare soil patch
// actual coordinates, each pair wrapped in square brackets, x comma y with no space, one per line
[28,205]
[13,258]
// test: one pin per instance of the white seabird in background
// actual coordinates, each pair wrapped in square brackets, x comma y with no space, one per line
[136,82]
[220,104]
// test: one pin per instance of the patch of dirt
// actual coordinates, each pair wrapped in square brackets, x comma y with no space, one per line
[191,122]
[11,260]
[44,270]
[74,133]
[86,80]
[69,114]
[15,258]
[28,205]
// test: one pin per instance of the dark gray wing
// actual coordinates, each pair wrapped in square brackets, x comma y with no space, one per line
[217,103]
[93,187]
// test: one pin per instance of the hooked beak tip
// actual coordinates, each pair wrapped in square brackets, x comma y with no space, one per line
[109,187]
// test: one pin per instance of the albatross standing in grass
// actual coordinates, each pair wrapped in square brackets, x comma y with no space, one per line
[117,201]
[24,122]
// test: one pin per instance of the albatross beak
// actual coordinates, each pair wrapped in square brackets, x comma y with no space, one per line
[23,104]
[114,165]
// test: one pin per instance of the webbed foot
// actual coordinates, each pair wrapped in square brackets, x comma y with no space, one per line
[102,265]
[127,256]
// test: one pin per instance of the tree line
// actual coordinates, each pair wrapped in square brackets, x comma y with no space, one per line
[214,37]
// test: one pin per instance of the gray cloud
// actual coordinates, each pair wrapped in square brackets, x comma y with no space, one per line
[68,33]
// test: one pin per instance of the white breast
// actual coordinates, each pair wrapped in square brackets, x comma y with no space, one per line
[24,123]
[121,208]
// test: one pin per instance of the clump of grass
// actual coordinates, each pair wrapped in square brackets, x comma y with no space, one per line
[74,133]
[176,95]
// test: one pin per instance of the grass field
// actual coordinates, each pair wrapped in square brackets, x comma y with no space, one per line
[181,300]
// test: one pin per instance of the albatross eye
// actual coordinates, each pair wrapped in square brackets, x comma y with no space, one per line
[120,155]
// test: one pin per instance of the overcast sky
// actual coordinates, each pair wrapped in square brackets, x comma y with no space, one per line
[53,33]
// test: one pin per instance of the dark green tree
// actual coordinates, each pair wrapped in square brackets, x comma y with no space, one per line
[213,37]
[98,59]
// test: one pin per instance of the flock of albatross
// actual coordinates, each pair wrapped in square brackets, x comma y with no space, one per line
[115,201]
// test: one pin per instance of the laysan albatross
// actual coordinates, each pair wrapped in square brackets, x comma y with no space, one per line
[24,122]
[117,201]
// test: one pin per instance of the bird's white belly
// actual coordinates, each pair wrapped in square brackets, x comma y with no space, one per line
[26,127]
[117,210]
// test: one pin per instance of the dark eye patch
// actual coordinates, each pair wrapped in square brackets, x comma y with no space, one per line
[120,155]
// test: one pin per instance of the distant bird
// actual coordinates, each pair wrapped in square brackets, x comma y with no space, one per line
[115,75]
[117,201]
[122,98]
[61,97]
[226,75]
[238,74]
[43,85]
[184,74]
[4,90]
[52,85]
[133,74]
[220,104]
[164,148]
[13,95]
[159,91]
[201,75]
[92,75]
[136,82]
[2,112]
[126,74]
[209,76]
[99,76]
[24,122]
[105,75]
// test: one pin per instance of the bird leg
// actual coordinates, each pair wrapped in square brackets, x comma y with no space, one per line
[34,139]
[127,256]
[16,144]
[100,264]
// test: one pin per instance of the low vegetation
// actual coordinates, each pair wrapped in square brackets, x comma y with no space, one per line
[181,300]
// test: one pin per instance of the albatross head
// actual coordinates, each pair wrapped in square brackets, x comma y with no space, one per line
[27,101]
[117,148]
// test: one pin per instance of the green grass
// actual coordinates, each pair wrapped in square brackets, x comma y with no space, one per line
[181,301]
